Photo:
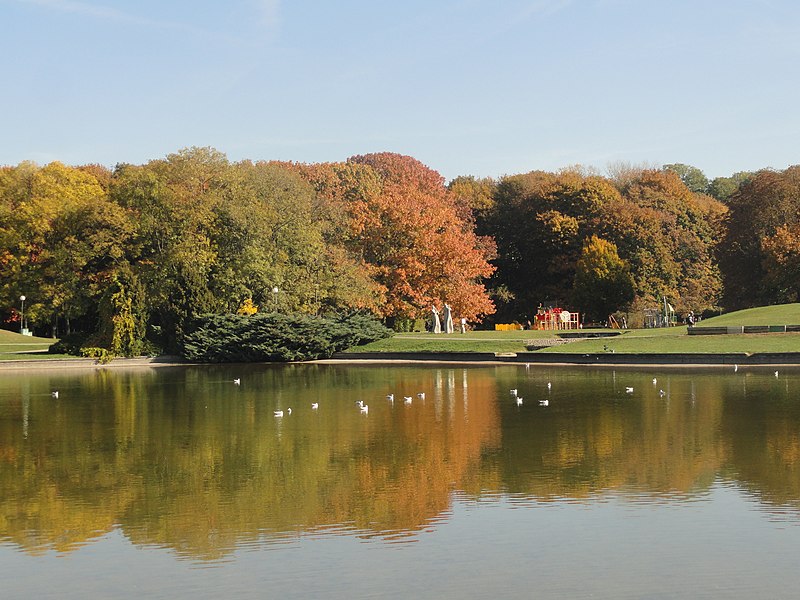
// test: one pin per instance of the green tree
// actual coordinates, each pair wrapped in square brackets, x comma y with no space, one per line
[692,177]
[173,204]
[723,188]
[271,232]
[603,282]
[123,318]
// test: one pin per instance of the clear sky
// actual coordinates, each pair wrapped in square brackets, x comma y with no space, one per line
[469,87]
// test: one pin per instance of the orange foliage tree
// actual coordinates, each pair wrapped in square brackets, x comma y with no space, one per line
[398,218]
[764,215]
[782,263]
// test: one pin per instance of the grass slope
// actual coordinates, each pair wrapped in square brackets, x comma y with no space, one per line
[781,314]
[636,341]
[675,340]
[16,346]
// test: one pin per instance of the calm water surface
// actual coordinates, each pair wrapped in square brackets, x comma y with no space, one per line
[178,483]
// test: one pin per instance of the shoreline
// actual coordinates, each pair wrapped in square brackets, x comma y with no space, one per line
[532,359]
[527,359]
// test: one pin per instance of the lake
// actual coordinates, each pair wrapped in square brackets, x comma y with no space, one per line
[181,483]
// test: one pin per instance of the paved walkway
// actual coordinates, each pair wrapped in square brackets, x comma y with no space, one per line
[89,363]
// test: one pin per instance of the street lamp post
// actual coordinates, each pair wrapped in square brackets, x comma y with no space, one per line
[22,315]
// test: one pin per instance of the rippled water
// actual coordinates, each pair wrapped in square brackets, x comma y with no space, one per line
[173,483]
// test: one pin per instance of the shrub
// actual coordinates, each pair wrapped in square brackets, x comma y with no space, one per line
[276,337]
[102,355]
[69,344]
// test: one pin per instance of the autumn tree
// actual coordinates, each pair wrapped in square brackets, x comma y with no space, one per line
[668,235]
[764,214]
[665,233]
[403,224]
[781,264]
[474,197]
[61,238]
[539,221]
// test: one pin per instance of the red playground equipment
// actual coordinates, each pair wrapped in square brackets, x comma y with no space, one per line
[556,318]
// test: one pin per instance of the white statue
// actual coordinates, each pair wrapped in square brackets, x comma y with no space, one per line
[448,318]
[437,325]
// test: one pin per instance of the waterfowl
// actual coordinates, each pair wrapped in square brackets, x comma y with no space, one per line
[54,394]
[407,399]
[237,381]
[629,390]
[519,401]
[314,405]
[513,391]
[544,402]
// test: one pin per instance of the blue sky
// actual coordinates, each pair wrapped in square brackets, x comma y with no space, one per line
[469,87]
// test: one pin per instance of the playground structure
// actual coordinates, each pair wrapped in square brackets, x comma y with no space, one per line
[663,316]
[556,319]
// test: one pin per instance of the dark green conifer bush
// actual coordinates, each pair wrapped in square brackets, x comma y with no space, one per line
[274,337]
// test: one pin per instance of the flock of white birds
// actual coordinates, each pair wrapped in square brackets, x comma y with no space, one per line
[364,408]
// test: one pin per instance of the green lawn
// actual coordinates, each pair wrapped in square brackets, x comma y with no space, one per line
[16,346]
[634,341]
[781,314]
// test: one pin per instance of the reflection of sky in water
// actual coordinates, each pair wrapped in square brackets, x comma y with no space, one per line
[601,548]
[604,493]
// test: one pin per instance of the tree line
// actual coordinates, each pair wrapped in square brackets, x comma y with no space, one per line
[131,254]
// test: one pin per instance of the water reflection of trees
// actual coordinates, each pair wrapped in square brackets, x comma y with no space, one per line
[193,463]
[184,459]
[642,443]
[762,424]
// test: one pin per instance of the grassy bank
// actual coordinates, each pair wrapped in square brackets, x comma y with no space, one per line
[675,340]
[781,314]
[639,341]
[14,346]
